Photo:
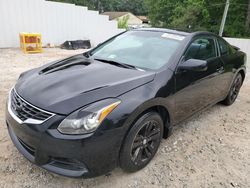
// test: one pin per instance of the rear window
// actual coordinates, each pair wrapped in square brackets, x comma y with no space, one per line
[224,47]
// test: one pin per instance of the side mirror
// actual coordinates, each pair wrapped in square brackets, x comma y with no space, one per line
[193,65]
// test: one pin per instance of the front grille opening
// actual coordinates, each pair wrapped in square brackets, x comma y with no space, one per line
[30,149]
[65,163]
[25,111]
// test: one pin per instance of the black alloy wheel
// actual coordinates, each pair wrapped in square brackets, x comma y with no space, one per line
[142,142]
[234,91]
[145,142]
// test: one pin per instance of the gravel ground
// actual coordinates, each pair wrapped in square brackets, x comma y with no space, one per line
[212,149]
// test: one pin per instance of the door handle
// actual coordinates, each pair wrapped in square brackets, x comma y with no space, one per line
[220,70]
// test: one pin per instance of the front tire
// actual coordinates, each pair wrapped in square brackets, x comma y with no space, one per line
[234,91]
[142,142]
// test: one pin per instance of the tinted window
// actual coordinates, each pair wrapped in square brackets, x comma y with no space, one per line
[224,48]
[143,49]
[202,49]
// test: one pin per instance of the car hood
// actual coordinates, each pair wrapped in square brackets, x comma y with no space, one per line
[64,86]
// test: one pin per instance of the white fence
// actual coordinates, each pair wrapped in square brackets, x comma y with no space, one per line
[56,22]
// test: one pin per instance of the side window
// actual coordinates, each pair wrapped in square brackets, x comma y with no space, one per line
[224,48]
[202,49]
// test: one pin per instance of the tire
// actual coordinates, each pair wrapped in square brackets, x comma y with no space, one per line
[234,91]
[142,142]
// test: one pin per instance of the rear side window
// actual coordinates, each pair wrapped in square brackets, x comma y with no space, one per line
[224,48]
[202,49]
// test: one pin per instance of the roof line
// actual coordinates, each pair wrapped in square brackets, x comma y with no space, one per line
[165,30]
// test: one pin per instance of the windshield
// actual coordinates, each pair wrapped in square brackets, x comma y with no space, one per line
[142,49]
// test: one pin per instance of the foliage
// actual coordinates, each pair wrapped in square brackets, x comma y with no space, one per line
[235,25]
[123,22]
[190,15]
[90,4]
[193,15]
[160,11]
[137,7]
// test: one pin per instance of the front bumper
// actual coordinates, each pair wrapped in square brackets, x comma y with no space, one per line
[73,156]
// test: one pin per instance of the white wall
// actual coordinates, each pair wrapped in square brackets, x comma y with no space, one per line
[56,22]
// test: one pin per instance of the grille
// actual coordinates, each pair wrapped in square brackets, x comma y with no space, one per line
[25,111]
[65,163]
[30,149]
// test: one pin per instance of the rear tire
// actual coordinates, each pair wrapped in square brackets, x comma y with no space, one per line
[142,142]
[234,91]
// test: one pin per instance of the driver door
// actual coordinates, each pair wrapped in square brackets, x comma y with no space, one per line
[196,89]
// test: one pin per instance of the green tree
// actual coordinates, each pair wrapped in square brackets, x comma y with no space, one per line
[200,15]
[160,11]
[236,20]
[123,22]
[90,4]
[180,14]
[190,15]
[237,15]
[137,7]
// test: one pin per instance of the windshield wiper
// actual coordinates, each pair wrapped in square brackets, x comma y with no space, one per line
[116,63]
[86,54]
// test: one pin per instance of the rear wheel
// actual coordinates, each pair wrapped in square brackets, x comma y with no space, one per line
[142,142]
[234,91]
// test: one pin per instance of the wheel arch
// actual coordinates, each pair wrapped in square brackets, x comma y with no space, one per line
[243,74]
[159,105]
[164,113]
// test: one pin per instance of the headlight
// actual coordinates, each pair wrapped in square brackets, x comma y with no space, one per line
[88,119]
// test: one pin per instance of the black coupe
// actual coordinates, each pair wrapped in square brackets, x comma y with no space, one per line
[87,114]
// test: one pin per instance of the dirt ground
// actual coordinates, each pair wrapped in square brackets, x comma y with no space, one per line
[212,149]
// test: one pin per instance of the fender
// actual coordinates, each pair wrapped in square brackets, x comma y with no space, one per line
[157,102]
[242,68]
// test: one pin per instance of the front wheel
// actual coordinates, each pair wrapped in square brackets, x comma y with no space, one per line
[142,142]
[234,90]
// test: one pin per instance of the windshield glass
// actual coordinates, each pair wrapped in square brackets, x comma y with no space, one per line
[142,49]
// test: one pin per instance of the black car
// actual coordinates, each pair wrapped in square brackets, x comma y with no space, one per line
[87,114]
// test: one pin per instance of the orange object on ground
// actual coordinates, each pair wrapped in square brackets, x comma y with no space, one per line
[31,42]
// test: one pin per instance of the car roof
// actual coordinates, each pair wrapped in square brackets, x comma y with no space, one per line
[177,32]
[165,31]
